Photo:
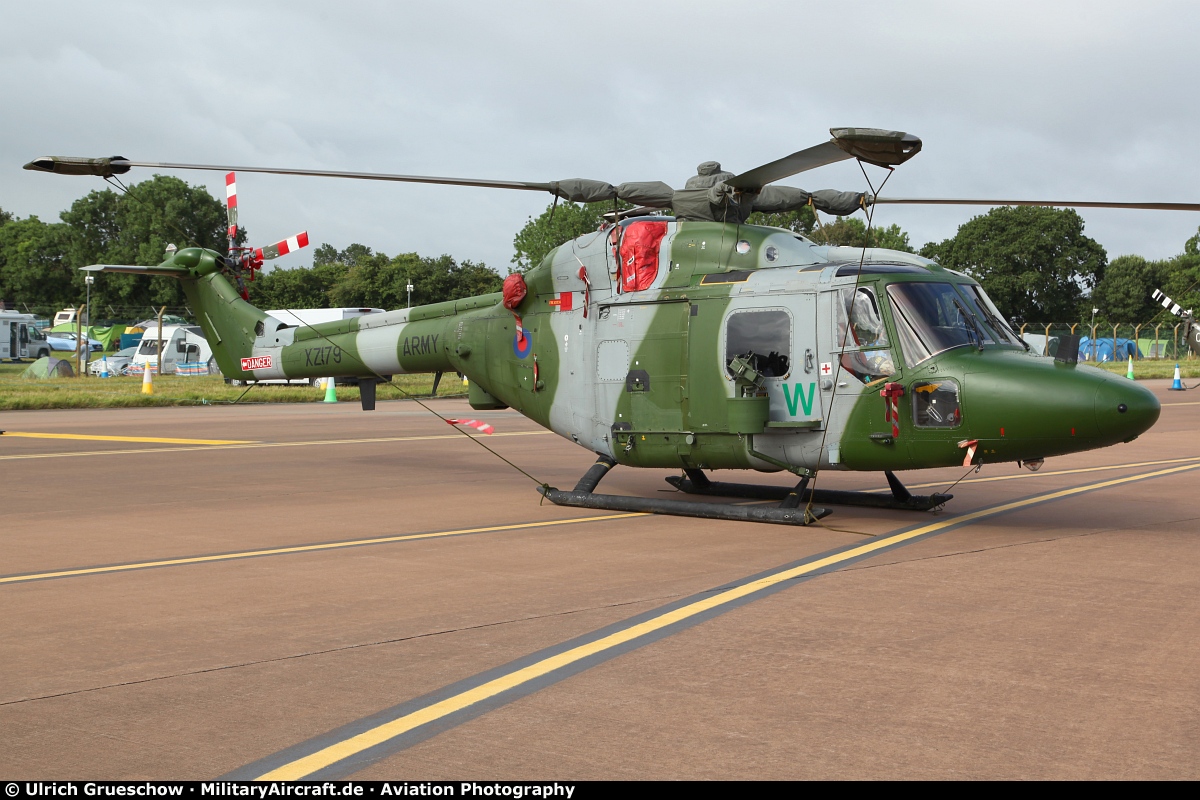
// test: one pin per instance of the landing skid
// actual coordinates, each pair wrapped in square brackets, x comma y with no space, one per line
[788,512]
[697,482]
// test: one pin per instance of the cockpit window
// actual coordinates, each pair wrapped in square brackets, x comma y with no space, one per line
[981,305]
[866,328]
[763,338]
[935,404]
[932,318]
[862,334]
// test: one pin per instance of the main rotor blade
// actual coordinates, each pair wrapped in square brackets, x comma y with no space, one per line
[800,161]
[108,166]
[930,201]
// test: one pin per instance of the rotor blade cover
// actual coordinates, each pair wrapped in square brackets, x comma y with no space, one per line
[655,194]
[875,146]
[582,190]
[779,199]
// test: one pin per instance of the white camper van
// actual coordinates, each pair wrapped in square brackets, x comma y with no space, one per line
[180,343]
[20,338]
[298,318]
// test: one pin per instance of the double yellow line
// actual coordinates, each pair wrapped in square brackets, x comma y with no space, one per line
[330,755]
[215,444]
[303,548]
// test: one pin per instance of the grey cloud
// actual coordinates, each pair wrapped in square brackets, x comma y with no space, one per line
[1076,100]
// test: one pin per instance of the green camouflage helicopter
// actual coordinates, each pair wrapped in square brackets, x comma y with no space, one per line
[696,341]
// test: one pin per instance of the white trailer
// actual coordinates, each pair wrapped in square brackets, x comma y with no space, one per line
[20,337]
[181,343]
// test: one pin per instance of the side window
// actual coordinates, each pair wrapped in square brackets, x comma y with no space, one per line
[863,334]
[861,308]
[761,338]
[935,404]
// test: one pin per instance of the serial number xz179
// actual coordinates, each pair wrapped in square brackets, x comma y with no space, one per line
[322,356]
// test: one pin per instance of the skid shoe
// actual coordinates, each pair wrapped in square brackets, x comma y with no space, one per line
[696,482]
[788,512]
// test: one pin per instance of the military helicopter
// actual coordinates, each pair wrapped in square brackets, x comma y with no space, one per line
[698,342]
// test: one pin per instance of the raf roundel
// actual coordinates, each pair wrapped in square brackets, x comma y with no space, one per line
[522,343]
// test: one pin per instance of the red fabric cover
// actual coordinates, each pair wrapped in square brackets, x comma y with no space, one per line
[639,254]
[514,290]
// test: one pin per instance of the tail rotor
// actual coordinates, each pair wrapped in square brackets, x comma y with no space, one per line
[243,262]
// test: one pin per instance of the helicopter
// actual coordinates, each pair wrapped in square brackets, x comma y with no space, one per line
[692,340]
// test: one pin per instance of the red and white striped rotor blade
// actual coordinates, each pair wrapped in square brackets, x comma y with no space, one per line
[231,202]
[282,248]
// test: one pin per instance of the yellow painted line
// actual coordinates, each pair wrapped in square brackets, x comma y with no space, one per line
[97,438]
[1195,403]
[1027,475]
[306,548]
[257,445]
[303,767]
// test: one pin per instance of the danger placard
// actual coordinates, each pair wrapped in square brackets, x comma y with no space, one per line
[257,362]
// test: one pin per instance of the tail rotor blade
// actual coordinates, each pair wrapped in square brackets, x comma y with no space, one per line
[231,203]
[1167,303]
[282,248]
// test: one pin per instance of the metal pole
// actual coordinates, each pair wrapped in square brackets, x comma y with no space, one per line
[78,338]
[159,362]
[87,350]
[410,288]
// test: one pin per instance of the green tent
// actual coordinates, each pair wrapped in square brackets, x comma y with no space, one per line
[49,368]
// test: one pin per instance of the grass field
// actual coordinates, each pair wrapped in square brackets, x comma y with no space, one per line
[1145,369]
[18,393]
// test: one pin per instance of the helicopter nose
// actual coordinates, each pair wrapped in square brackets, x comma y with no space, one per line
[1124,410]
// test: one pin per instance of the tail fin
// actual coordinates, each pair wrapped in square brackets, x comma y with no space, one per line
[230,323]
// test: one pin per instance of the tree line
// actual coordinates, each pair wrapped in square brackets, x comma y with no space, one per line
[39,261]
[1037,263]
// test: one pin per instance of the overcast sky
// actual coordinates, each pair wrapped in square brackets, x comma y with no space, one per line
[1085,101]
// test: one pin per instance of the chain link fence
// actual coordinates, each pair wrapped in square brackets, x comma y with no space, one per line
[1112,342]
[105,311]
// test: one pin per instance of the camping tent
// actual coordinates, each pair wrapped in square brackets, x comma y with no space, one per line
[47,367]
[1110,349]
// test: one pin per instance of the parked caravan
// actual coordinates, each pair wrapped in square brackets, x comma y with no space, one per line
[181,343]
[67,317]
[21,337]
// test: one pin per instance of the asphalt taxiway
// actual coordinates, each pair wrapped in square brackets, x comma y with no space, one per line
[315,591]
